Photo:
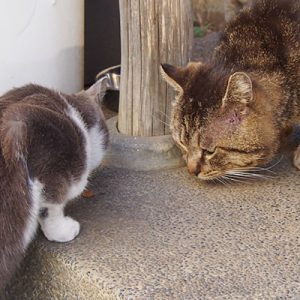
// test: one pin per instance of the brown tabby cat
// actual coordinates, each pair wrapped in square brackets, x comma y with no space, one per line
[229,115]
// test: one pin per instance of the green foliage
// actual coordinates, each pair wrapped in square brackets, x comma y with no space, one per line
[200,31]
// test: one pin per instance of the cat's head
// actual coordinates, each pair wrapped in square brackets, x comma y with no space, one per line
[220,121]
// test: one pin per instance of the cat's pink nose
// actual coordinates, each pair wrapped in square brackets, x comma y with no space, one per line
[194,167]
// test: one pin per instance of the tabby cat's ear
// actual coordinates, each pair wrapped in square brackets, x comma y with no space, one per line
[239,89]
[178,77]
[175,76]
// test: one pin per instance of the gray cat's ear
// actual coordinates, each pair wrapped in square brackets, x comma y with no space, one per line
[98,89]
[239,89]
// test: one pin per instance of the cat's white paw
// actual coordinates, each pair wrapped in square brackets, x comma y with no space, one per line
[297,158]
[63,229]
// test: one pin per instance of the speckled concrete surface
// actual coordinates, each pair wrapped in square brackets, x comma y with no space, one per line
[165,235]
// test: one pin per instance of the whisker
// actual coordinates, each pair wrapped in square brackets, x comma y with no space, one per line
[253,171]
[258,169]
[165,123]
[226,179]
[244,180]
[161,120]
[164,114]
[249,175]
[220,180]
[234,179]
[275,164]
[245,174]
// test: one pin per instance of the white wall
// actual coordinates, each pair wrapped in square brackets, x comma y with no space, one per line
[41,41]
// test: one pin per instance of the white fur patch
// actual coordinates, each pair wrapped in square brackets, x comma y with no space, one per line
[94,151]
[36,190]
[77,187]
[97,150]
[57,227]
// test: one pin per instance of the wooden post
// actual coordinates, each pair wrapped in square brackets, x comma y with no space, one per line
[152,32]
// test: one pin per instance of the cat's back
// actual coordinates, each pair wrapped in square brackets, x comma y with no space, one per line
[29,104]
[57,126]
[264,37]
[16,95]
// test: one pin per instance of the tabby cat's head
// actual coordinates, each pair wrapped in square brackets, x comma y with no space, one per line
[220,121]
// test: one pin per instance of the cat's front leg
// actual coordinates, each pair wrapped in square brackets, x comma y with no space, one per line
[297,158]
[55,225]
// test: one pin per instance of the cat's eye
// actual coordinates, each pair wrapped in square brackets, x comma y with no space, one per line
[208,152]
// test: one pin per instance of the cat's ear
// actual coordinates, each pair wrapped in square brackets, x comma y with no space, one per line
[177,77]
[239,89]
[173,76]
[98,89]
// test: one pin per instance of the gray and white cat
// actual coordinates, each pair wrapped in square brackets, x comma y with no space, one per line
[50,142]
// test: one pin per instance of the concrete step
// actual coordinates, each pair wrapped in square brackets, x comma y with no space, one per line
[165,235]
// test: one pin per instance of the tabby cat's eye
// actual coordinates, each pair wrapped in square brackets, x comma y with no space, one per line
[207,152]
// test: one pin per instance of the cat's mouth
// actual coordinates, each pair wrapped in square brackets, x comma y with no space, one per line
[240,174]
[210,176]
[223,175]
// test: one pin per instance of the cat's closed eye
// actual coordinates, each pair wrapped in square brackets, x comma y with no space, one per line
[208,152]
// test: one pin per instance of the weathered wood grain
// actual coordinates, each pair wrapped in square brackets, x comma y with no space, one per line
[152,32]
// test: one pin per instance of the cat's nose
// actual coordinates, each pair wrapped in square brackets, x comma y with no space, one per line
[194,167]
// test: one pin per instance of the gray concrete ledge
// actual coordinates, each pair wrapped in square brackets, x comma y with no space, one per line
[141,153]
